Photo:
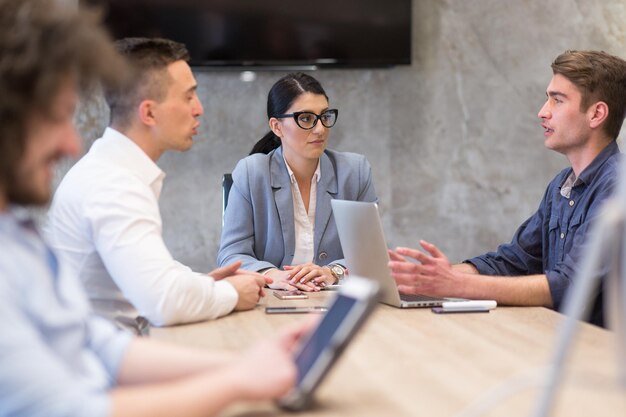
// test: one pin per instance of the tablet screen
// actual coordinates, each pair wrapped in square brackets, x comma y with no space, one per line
[322,336]
[317,354]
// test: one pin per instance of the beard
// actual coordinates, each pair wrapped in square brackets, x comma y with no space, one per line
[25,188]
[26,197]
[25,194]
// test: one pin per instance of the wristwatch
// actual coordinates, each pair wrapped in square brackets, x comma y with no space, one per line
[338,271]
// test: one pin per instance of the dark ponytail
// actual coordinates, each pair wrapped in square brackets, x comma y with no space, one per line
[267,144]
[281,96]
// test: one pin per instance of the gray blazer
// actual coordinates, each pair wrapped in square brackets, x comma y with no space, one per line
[258,223]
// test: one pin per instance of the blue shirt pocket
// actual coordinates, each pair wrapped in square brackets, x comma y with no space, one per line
[561,237]
[574,224]
[556,237]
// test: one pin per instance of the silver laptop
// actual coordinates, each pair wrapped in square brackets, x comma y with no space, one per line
[365,251]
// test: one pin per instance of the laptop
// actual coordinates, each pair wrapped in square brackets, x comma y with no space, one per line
[365,251]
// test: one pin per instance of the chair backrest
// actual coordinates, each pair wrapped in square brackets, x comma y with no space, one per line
[227,182]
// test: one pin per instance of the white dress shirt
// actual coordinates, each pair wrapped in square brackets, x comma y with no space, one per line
[105,221]
[304,222]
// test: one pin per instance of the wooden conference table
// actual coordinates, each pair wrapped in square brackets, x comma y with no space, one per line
[415,363]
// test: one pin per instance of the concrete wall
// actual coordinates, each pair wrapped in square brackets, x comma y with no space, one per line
[454,140]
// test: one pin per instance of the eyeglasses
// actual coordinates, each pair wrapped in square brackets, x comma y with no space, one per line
[307,120]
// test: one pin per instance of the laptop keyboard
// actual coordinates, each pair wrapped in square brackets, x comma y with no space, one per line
[417,297]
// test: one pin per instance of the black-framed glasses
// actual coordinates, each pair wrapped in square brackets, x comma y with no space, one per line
[307,120]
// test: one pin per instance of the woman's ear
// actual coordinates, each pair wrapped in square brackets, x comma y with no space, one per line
[276,127]
[598,113]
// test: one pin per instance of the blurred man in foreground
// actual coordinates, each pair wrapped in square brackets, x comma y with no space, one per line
[56,357]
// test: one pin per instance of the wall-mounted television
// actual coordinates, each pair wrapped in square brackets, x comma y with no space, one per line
[239,33]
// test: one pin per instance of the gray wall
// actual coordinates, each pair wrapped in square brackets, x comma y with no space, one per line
[454,140]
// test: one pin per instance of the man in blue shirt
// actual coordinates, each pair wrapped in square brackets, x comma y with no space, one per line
[56,357]
[582,117]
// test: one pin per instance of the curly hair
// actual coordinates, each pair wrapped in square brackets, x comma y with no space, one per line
[599,77]
[42,43]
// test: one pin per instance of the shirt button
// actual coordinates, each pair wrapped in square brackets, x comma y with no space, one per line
[562,235]
[323,256]
[571,203]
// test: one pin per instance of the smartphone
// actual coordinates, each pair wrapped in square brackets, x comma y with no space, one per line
[290,295]
[292,310]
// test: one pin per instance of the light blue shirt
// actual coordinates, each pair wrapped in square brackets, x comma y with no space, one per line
[56,357]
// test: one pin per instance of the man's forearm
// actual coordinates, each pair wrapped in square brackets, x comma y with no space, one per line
[465,268]
[151,361]
[202,395]
[531,290]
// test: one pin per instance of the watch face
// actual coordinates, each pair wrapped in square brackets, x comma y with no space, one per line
[337,270]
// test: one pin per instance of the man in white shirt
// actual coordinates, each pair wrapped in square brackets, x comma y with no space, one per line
[105,219]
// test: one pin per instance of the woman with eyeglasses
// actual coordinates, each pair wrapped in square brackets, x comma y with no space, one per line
[278,220]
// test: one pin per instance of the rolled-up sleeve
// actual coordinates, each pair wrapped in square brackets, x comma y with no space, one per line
[108,343]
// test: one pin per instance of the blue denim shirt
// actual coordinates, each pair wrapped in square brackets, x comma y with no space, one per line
[56,357]
[552,240]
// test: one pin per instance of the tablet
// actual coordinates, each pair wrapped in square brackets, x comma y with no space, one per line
[353,303]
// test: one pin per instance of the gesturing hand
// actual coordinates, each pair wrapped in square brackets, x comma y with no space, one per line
[433,275]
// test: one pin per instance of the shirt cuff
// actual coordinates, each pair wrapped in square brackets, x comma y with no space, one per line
[110,344]
[96,405]
[481,266]
[227,296]
[116,350]
[558,287]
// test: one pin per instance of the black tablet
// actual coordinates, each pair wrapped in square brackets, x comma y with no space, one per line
[346,314]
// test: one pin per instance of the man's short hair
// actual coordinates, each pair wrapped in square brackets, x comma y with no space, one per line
[42,44]
[149,59]
[599,77]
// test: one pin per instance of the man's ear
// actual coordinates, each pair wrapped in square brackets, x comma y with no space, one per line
[597,113]
[146,112]
[276,127]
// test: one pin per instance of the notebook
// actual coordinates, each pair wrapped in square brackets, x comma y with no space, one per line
[365,251]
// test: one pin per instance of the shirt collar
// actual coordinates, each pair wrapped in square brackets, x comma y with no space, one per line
[16,219]
[570,182]
[20,213]
[316,175]
[592,169]
[127,153]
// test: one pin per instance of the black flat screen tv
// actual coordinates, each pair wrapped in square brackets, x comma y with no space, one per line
[240,33]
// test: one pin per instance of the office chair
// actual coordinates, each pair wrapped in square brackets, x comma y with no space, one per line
[227,182]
